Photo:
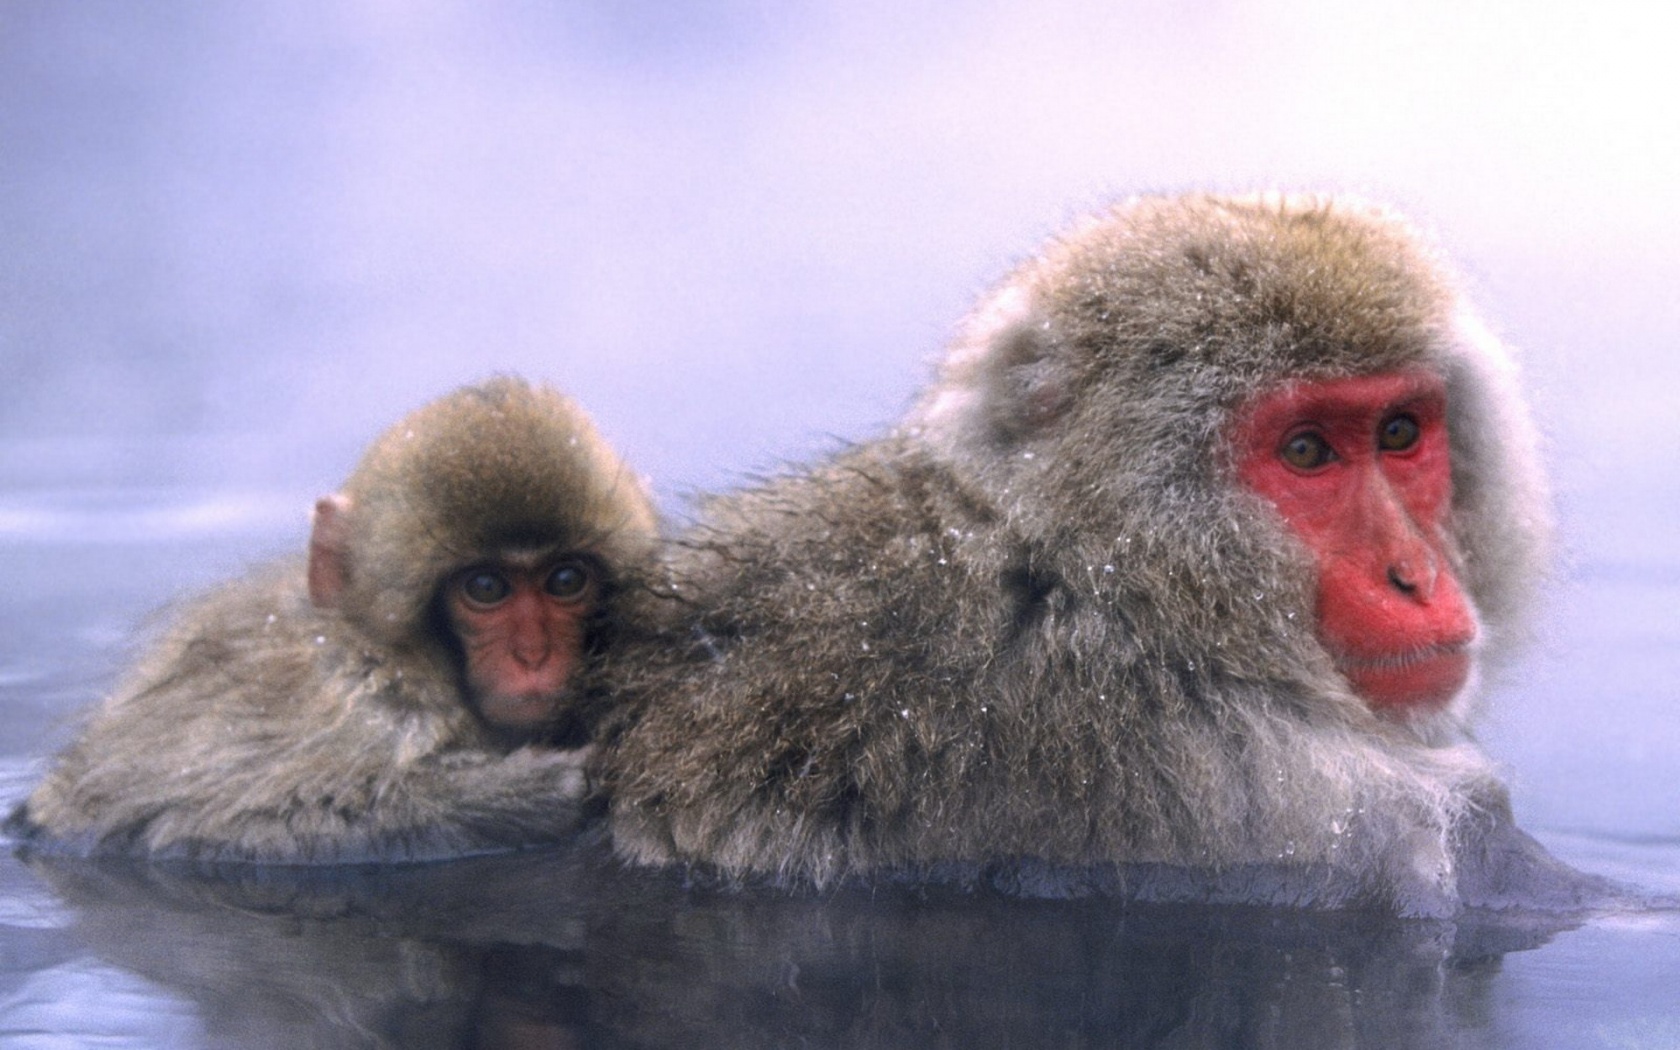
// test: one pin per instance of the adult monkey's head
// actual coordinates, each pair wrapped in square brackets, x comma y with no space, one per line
[1165,363]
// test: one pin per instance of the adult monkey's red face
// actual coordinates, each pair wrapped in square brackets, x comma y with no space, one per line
[1360,470]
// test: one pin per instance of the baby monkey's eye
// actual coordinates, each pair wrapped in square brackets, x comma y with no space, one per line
[485,588]
[568,581]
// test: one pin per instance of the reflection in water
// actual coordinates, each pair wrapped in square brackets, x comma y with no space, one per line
[563,948]
[448,955]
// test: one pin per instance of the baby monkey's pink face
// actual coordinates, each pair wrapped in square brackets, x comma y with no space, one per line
[1361,472]
[522,628]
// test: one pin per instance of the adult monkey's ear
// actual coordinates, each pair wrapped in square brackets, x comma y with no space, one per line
[1006,379]
[1028,385]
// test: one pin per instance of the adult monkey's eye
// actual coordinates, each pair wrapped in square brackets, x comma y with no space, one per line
[1398,434]
[485,588]
[1306,451]
[569,581]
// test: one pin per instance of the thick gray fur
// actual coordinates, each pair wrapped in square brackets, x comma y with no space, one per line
[261,728]
[1037,628]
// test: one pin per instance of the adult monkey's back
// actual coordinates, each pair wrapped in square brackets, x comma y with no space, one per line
[1177,582]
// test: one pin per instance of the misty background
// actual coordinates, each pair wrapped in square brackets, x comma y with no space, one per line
[237,240]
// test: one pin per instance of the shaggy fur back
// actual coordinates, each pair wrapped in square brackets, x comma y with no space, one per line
[1039,622]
